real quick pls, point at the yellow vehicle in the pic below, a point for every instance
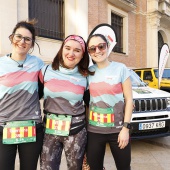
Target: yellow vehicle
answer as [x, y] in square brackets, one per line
[150, 76]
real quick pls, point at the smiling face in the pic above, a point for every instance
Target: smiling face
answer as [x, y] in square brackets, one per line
[72, 53]
[21, 47]
[99, 55]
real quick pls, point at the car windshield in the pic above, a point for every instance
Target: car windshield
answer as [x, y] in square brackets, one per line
[135, 79]
[166, 73]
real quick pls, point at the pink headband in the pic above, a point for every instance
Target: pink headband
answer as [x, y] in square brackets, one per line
[77, 38]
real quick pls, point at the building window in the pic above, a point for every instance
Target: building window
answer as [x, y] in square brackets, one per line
[117, 24]
[49, 14]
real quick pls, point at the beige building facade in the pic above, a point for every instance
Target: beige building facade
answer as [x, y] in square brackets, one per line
[145, 23]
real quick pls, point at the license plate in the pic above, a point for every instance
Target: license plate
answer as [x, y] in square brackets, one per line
[151, 125]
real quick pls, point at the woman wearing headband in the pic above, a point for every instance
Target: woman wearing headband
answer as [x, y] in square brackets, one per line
[64, 86]
[110, 107]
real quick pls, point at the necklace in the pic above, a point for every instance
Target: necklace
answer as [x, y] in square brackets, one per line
[19, 65]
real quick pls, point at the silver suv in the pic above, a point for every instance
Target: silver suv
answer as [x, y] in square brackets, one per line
[151, 114]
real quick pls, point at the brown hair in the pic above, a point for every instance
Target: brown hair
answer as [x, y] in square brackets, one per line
[82, 65]
[96, 35]
[29, 25]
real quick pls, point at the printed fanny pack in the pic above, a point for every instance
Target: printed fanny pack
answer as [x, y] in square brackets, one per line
[19, 132]
[103, 117]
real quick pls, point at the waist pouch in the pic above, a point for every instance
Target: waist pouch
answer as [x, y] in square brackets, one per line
[75, 127]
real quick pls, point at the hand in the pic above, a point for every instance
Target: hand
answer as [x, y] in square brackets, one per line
[123, 138]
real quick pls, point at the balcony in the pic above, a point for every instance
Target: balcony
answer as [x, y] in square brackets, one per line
[127, 5]
[164, 9]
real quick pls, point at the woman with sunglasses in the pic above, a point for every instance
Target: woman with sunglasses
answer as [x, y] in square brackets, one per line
[64, 85]
[21, 127]
[110, 107]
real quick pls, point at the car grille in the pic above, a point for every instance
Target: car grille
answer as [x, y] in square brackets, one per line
[150, 105]
[149, 132]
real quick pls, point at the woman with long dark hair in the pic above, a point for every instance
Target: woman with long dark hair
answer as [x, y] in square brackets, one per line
[64, 85]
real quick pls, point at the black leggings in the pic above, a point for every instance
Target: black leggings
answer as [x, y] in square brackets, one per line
[28, 153]
[96, 145]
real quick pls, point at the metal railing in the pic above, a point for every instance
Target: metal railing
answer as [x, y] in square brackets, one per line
[50, 17]
[132, 1]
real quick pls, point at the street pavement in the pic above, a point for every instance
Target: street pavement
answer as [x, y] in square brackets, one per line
[146, 155]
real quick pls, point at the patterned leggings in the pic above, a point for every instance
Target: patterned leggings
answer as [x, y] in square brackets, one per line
[74, 147]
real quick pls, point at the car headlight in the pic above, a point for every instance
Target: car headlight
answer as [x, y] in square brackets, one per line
[168, 102]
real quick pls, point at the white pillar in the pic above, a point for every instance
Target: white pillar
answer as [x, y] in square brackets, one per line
[8, 20]
[153, 22]
[76, 17]
[152, 5]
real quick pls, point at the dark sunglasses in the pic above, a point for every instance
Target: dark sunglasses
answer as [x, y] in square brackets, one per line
[101, 47]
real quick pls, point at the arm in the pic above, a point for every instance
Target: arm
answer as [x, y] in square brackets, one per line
[41, 83]
[123, 137]
[86, 99]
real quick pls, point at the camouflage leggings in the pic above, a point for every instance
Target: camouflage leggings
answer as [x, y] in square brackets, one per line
[74, 147]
